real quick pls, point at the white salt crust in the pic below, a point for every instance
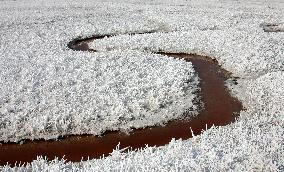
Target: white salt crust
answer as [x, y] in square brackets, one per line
[230, 31]
[48, 90]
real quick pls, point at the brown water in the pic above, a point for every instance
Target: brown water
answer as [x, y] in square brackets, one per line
[220, 108]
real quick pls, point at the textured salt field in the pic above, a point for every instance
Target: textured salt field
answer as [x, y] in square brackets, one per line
[38, 71]
[219, 108]
[48, 91]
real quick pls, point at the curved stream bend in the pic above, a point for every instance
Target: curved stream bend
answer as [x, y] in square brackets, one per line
[219, 109]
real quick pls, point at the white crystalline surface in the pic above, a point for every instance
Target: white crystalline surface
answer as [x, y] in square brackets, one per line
[246, 53]
[95, 93]
[48, 90]
[230, 31]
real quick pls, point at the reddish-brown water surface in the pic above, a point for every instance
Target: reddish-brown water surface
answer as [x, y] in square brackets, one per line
[220, 108]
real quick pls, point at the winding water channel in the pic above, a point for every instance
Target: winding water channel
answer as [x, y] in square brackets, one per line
[220, 108]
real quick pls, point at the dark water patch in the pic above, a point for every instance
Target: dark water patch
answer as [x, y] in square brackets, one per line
[272, 27]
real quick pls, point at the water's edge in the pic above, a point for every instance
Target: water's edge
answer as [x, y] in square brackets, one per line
[220, 108]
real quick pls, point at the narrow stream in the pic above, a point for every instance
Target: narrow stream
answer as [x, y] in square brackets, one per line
[220, 108]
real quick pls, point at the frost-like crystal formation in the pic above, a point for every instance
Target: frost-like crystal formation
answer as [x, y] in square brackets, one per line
[34, 59]
[93, 93]
[48, 90]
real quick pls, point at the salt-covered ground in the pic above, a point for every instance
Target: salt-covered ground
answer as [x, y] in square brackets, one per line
[48, 90]
[34, 59]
